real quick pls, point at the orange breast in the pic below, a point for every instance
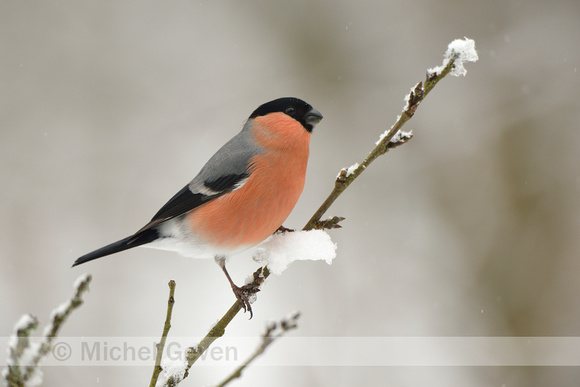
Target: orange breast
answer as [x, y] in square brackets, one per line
[249, 215]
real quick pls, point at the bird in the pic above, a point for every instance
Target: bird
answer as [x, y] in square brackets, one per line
[240, 197]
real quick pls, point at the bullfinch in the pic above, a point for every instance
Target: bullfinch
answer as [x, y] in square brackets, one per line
[240, 197]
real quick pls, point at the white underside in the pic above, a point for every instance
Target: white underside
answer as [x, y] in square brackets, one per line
[176, 236]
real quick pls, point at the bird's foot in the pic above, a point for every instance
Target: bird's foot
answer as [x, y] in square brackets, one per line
[243, 293]
[283, 229]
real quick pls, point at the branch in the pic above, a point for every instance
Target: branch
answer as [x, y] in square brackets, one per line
[161, 346]
[21, 348]
[458, 52]
[273, 331]
[219, 329]
[195, 352]
[19, 343]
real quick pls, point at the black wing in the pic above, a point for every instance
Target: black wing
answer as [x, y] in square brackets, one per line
[226, 183]
[183, 201]
[186, 200]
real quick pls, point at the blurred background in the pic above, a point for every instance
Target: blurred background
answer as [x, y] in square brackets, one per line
[470, 229]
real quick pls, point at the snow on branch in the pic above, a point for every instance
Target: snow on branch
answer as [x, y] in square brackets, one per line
[458, 52]
[24, 356]
[284, 248]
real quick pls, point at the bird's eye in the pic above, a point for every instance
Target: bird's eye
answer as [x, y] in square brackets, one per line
[290, 111]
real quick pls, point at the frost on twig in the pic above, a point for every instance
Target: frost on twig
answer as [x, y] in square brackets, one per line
[274, 330]
[173, 372]
[24, 357]
[458, 52]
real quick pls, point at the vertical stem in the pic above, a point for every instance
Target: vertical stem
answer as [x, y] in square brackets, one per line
[161, 346]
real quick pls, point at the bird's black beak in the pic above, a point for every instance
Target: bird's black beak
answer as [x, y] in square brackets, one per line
[313, 117]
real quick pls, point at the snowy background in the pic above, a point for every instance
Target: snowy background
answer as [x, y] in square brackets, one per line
[471, 229]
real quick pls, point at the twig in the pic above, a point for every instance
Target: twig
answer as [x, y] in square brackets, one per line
[388, 141]
[458, 51]
[161, 346]
[13, 374]
[17, 374]
[218, 330]
[273, 331]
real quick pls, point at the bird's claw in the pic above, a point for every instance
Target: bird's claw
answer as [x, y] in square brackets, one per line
[283, 229]
[242, 294]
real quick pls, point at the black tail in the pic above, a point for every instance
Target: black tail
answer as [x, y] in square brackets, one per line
[142, 238]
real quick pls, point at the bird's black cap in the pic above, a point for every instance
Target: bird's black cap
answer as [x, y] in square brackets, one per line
[294, 107]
